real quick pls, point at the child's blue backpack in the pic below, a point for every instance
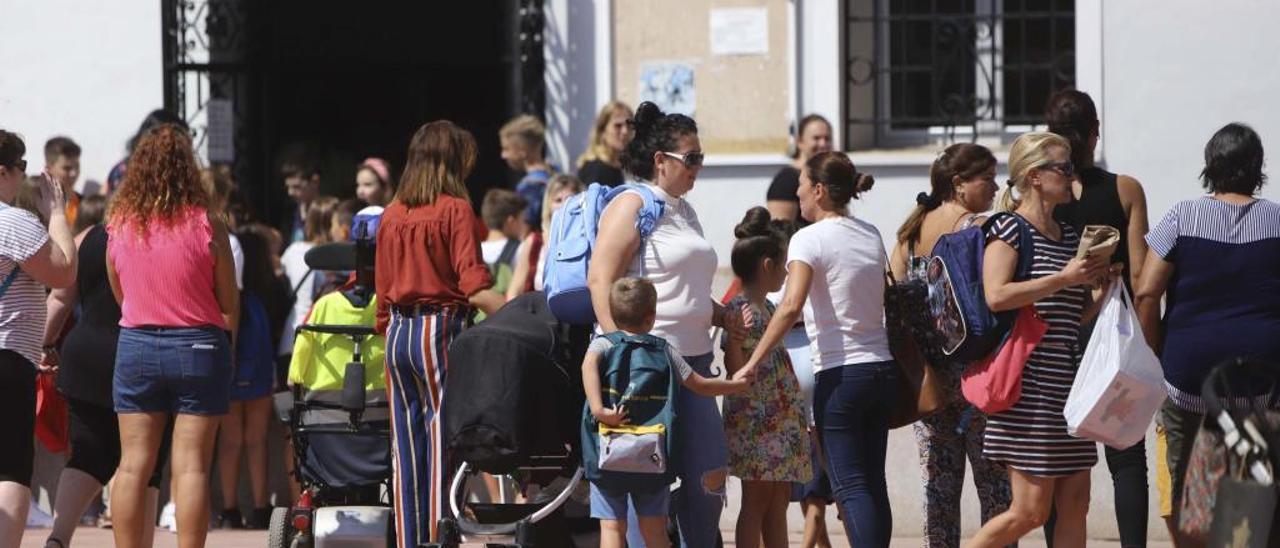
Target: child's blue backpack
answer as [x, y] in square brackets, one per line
[569, 242]
[636, 373]
[968, 329]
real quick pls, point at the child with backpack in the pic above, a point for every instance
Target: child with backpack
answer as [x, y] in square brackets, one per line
[630, 378]
[765, 426]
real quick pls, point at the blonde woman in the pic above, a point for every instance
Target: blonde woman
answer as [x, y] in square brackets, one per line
[602, 161]
[1048, 468]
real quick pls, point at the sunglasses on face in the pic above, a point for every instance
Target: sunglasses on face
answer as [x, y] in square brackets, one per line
[689, 159]
[20, 165]
[1067, 169]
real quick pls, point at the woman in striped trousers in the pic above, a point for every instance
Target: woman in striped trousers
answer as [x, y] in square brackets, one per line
[429, 277]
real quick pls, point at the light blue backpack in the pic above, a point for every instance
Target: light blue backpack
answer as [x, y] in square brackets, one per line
[570, 240]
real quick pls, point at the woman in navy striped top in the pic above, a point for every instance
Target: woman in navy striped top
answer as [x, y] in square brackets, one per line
[1217, 258]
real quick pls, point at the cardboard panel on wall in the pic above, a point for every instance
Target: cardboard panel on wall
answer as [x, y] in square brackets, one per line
[726, 62]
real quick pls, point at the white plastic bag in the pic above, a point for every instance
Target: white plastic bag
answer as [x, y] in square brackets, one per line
[1119, 386]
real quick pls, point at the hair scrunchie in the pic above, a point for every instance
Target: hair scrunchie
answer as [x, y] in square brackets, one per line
[928, 201]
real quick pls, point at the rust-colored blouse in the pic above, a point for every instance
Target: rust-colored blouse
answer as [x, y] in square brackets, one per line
[429, 255]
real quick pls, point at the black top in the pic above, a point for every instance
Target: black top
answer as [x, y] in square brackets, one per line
[89, 351]
[784, 185]
[596, 171]
[1099, 204]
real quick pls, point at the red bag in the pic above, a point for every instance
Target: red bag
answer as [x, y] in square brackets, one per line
[51, 415]
[994, 383]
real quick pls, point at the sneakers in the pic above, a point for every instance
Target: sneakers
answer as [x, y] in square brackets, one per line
[230, 518]
[169, 518]
[38, 518]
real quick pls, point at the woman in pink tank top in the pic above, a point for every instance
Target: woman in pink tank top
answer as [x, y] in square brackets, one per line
[171, 269]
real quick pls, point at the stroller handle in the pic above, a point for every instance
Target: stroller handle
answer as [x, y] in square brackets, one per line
[470, 527]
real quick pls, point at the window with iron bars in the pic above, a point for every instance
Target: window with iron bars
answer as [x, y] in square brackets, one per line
[930, 72]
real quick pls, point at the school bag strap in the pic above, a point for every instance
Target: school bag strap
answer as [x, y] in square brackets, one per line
[1026, 242]
[508, 252]
[8, 280]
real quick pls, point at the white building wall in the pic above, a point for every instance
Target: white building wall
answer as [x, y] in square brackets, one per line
[88, 70]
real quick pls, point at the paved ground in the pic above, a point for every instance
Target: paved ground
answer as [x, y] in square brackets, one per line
[95, 537]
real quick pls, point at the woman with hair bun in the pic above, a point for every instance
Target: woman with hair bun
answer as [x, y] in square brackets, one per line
[835, 274]
[766, 426]
[1104, 198]
[962, 187]
[667, 156]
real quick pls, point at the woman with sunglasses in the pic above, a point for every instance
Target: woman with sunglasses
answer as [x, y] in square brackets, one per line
[1104, 198]
[1048, 468]
[31, 257]
[681, 263]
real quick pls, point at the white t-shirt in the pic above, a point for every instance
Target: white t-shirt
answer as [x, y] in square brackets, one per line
[844, 314]
[237, 258]
[491, 250]
[295, 267]
[22, 308]
[681, 264]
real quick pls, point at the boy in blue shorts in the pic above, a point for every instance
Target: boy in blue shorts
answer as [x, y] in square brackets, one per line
[632, 302]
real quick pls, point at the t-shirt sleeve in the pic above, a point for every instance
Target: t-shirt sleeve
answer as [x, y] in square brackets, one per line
[1006, 230]
[804, 248]
[784, 186]
[1163, 237]
[678, 364]
[599, 345]
[237, 258]
[21, 234]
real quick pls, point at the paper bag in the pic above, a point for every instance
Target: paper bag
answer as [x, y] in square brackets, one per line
[1098, 241]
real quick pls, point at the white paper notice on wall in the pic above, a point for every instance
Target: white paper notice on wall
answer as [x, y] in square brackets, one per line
[740, 31]
[220, 138]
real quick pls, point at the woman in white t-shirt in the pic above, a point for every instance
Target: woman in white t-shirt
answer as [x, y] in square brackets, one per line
[681, 263]
[31, 257]
[835, 274]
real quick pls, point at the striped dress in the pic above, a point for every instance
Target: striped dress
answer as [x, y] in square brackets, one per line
[1032, 435]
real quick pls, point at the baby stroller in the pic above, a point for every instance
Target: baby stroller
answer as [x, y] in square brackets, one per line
[513, 401]
[337, 413]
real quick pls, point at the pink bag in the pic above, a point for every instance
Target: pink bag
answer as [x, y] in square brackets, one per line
[993, 384]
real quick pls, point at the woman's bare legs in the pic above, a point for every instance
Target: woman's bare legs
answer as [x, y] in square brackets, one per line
[140, 435]
[193, 442]
[1032, 499]
[230, 445]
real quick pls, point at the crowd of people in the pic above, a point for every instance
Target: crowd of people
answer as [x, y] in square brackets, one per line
[140, 303]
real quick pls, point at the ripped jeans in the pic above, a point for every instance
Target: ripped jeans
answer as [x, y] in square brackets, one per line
[704, 454]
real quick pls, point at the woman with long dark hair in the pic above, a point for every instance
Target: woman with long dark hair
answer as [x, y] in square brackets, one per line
[962, 188]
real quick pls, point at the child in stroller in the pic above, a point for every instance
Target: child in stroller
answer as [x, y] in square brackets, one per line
[336, 409]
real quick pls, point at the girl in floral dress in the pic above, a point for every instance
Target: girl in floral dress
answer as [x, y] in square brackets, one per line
[765, 426]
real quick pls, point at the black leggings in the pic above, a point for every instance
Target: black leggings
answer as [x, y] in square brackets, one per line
[1129, 481]
[95, 442]
[17, 417]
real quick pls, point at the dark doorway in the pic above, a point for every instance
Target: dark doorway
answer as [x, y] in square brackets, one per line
[342, 81]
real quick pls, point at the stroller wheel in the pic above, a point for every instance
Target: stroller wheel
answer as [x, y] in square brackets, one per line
[279, 533]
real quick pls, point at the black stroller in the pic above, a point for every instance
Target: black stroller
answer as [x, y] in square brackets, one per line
[341, 430]
[513, 401]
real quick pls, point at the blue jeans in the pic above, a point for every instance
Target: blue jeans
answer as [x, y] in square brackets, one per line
[852, 405]
[703, 449]
[176, 370]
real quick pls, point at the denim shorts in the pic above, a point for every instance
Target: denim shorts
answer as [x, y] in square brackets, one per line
[611, 504]
[172, 370]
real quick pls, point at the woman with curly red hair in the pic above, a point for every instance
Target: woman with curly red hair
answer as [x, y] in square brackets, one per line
[170, 266]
